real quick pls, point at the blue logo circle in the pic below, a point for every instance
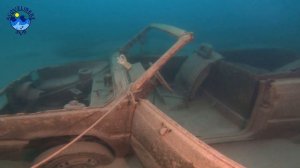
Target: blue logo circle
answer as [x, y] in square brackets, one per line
[20, 19]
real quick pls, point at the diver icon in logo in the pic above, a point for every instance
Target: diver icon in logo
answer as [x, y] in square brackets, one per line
[20, 19]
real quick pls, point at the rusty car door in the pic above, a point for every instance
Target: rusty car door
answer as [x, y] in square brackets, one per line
[159, 141]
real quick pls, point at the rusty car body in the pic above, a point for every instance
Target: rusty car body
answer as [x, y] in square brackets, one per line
[164, 110]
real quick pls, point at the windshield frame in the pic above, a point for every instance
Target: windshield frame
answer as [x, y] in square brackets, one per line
[183, 37]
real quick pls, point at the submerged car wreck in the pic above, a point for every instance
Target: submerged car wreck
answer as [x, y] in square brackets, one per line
[164, 110]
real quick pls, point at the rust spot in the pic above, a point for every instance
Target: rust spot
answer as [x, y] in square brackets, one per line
[164, 130]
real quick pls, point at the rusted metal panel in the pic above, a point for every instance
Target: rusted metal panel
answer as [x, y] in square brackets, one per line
[114, 130]
[171, 145]
[144, 156]
[287, 97]
[12, 149]
[283, 117]
[275, 112]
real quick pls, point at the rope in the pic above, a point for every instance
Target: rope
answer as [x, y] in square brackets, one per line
[85, 131]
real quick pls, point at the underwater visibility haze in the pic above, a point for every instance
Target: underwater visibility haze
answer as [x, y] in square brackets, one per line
[64, 31]
[237, 79]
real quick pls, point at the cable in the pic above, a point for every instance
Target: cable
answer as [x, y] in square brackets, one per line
[80, 135]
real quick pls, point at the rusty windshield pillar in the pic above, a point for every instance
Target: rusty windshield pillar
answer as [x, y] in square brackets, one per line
[183, 38]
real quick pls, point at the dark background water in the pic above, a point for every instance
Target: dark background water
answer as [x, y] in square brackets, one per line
[65, 31]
